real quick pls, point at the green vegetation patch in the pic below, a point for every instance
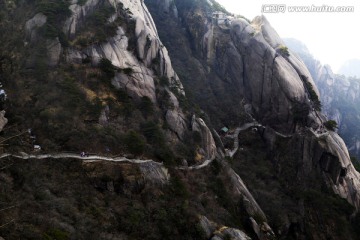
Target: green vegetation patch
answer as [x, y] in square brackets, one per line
[331, 125]
[56, 12]
[284, 51]
[312, 94]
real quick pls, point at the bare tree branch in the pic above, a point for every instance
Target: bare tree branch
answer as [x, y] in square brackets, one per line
[13, 220]
[13, 137]
[6, 166]
[7, 208]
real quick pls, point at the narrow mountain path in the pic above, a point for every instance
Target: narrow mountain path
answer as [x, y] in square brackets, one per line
[96, 158]
[197, 167]
[231, 153]
[235, 136]
[92, 158]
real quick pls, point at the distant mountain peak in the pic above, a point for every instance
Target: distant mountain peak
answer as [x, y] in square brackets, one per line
[351, 68]
[296, 45]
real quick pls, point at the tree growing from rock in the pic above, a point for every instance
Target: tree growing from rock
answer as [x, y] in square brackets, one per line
[331, 125]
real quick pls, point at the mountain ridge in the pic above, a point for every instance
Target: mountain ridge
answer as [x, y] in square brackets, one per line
[112, 88]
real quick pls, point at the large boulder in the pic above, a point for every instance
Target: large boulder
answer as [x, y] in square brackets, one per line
[155, 173]
[344, 179]
[239, 189]
[33, 25]
[215, 231]
[230, 233]
[78, 16]
[207, 226]
[176, 121]
[53, 51]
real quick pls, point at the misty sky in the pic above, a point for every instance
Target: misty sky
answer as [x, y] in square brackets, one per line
[332, 38]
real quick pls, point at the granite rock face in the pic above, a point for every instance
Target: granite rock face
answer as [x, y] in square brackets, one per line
[148, 49]
[345, 180]
[53, 46]
[33, 25]
[54, 51]
[148, 45]
[272, 81]
[233, 233]
[177, 122]
[149, 60]
[78, 17]
[155, 173]
[253, 68]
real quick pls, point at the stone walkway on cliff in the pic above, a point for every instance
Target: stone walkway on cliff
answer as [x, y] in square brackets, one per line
[92, 158]
[95, 158]
[235, 136]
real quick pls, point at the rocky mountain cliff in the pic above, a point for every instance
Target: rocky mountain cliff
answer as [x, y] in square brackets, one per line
[339, 95]
[247, 66]
[144, 101]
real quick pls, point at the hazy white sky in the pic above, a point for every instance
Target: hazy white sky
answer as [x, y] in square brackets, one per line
[332, 38]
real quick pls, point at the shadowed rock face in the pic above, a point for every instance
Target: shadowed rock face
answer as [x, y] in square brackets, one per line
[270, 82]
[31, 25]
[336, 160]
[330, 164]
